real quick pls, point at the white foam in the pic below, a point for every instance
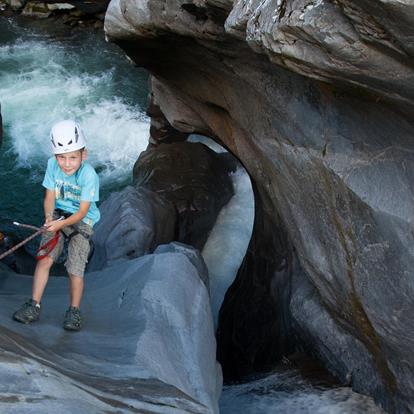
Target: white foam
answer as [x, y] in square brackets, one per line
[207, 141]
[116, 135]
[228, 241]
[42, 83]
[288, 392]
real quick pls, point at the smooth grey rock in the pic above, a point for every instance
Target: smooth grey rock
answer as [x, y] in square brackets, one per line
[133, 222]
[343, 353]
[147, 344]
[328, 145]
[193, 255]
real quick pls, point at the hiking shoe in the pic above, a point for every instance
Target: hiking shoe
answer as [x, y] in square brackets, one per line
[28, 312]
[73, 319]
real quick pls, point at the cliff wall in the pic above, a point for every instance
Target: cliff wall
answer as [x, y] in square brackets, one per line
[315, 98]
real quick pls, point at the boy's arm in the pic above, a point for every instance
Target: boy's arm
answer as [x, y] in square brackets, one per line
[49, 205]
[73, 219]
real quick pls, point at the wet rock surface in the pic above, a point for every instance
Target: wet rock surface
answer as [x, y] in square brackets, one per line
[315, 99]
[143, 348]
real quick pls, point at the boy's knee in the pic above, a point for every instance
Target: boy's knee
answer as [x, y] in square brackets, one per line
[46, 262]
[76, 278]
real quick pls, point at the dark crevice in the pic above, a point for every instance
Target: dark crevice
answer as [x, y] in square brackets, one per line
[254, 330]
[200, 13]
[215, 14]
[282, 9]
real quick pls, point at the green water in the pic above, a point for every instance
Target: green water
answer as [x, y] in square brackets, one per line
[49, 73]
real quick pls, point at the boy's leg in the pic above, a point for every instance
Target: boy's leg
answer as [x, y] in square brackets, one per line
[78, 251]
[30, 310]
[77, 258]
[41, 276]
[76, 290]
[73, 318]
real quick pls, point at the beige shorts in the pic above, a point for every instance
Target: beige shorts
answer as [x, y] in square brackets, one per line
[78, 247]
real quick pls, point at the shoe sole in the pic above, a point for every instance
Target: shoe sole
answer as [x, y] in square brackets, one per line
[71, 328]
[26, 322]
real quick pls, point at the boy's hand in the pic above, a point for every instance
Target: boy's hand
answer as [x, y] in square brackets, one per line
[54, 225]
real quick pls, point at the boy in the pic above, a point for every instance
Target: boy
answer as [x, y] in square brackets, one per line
[72, 188]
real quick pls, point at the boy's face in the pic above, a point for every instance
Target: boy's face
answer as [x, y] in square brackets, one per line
[70, 162]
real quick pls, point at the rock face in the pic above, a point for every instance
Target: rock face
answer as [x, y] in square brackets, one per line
[163, 206]
[191, 177]
[147, 345]
[315, 98]
[161, 130]
[133, 222]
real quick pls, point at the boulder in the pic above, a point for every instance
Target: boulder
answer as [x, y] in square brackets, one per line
[133, 223]
[147, 344]
[191, 177]
[192, 254]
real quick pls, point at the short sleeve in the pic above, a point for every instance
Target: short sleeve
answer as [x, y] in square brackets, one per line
[90, 186]
[49, 180]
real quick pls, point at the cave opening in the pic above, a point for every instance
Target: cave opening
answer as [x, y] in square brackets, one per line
[227, 242]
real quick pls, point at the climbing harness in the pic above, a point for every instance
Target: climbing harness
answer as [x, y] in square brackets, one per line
[48, 246]
[68, 237]
[75, 232]
[39, 230]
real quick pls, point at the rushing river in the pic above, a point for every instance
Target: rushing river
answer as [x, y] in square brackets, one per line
[47, 75]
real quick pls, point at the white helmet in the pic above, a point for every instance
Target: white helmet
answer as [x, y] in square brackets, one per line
[66, 136]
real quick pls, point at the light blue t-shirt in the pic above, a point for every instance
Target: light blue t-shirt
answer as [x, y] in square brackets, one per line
[70, 190]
